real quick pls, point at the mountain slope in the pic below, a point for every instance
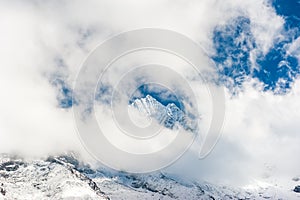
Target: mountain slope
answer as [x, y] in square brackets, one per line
[64, 177]
[45, 179]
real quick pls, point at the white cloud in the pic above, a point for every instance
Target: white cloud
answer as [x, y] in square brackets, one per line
[260, 141]
[261, 129]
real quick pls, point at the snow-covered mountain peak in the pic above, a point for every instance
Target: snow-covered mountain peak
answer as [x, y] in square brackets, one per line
[169, 116]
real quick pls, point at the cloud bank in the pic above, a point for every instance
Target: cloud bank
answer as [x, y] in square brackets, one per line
[43, 44]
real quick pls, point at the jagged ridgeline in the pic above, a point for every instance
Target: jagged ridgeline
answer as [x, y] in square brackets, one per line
[168, 115]
[65, 177]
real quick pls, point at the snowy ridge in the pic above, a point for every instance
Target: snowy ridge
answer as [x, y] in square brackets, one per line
[64, 177]
[53, 178]
[170, 115]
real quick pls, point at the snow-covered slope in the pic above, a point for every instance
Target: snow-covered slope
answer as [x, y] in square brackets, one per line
[45, 179]
[64, 177]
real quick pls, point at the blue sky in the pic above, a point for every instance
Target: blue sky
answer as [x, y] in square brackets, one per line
[233, 43]
[276, 69]
[160, 93]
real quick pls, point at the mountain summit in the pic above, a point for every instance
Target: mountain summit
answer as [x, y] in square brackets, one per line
[168, 115]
